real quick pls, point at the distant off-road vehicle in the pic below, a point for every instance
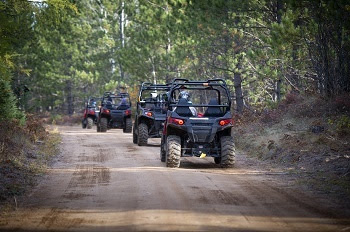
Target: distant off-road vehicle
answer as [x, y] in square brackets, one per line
[150, 112]
[90, 113]
[115, 112]
[198, 123]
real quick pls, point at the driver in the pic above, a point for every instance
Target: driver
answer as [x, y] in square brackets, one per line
[185, 95]
[92, 104]
[154, 96]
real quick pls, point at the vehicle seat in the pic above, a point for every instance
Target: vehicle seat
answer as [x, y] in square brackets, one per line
[123, 105]
[183, 111]
[109, 105]
[150, 104]
[213, 111]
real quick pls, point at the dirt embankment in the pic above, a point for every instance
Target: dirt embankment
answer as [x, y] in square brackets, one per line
[104, 182]
[305, 136]
[25, 152]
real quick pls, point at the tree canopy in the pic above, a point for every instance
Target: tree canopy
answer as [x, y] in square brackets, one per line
[55, 53]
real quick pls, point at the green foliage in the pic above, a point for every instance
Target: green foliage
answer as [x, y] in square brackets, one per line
[63, 52]
[8, 108]
[55, 118]
[342, 124]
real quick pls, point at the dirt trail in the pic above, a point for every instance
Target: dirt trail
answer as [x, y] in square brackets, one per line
[103, 182]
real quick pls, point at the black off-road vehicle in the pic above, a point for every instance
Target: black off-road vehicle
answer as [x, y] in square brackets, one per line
[115, 112]
[90, 113]
[198, 123]
[150, 113]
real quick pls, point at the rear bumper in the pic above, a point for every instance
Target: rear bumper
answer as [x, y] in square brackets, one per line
[117, 119]
[198, 151]
[157, 128]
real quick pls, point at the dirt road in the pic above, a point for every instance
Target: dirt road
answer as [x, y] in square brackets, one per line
[103, 182]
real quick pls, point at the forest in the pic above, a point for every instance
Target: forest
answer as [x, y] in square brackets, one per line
[56, 53]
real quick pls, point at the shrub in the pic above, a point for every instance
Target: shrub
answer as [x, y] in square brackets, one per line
[342, 124]
[35, 128]
[342, 103]
[272, 116]
[292, 98]
[8, 108]
[56, 119]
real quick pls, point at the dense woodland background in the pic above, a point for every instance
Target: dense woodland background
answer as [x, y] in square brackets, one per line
[56, 53]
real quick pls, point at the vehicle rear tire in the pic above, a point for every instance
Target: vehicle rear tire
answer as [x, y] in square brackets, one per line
[162, 151]
[217, 160]
[128, 126]
[228, 152]
[83, 124]
[173, 151]
[103, 124]
[90, 122]
[134, 135]
[142, 134]
[98, 127]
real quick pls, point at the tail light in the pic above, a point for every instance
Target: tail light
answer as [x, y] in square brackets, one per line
[176, 121]
[225, 122]
[106, 111]
[149, 114]
[92, 112]
[127, 112]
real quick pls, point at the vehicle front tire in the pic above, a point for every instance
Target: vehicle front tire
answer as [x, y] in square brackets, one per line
[142, 134]
[90, 122]
[162, 151]
[228, 152]
[173, 151]
[134, 135]
[103, 124]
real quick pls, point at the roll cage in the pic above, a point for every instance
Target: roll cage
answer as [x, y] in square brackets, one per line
[110, 96]
[95, 100]
[149, 86]
[210, 84]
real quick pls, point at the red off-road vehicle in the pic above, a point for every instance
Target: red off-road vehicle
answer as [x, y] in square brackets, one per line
[90, 113]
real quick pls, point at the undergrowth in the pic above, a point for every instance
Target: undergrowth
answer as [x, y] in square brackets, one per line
[25, 152]
[307, 134]
[58, 119]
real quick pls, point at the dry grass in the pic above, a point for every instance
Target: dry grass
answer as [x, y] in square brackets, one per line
[58, 119]
[309, 135]
[24, 154]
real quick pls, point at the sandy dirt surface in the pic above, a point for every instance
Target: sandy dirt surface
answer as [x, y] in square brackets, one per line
[103, 182]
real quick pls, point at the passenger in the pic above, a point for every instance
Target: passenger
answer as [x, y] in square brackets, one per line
[151, 101]
[185, 98]
[92, 103]
[123, 105]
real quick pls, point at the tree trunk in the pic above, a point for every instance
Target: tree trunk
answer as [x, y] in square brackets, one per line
[70, 105]
[122, 39]
[279, 9]
[278, 90]
[237, 80]
[167, 48]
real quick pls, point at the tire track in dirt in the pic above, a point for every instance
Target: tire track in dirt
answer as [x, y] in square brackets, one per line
[103, 182]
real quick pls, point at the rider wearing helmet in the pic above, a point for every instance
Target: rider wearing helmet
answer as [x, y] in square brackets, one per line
[185, 95]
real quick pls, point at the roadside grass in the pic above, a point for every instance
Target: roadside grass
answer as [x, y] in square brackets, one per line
[25, 154]
[306, 136]
[59, 119]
